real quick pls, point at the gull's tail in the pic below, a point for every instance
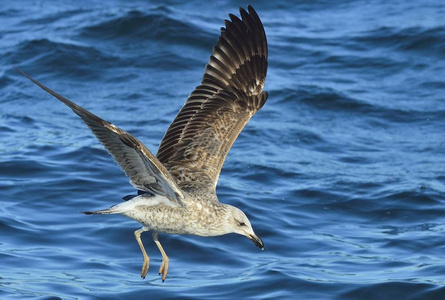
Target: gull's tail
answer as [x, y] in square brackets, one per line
[101, 212]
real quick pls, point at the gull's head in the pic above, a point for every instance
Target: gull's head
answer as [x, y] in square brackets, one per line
[240, 224]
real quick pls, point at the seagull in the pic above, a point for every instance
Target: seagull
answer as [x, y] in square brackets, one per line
[177, 187]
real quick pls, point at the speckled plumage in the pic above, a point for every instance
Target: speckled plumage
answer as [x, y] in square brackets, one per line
[179, 183]
[207, 216]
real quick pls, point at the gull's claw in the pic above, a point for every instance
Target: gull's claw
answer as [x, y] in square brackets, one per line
[146, 262]
[164, 268]
[145, 267]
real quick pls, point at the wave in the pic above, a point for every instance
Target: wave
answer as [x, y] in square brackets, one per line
[118, 40]
[320, 98]
[51, 18]
[415, 289]
[396, 211]
[158, 24]
[374, 66]
[327, 99]
[429, 41]
[49, 56]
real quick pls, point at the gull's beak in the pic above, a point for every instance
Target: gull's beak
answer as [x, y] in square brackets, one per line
[256, 240]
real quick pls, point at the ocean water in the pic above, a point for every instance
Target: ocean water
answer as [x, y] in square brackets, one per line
[342, 172]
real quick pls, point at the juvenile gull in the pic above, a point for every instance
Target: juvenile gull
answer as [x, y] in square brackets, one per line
[177, 187]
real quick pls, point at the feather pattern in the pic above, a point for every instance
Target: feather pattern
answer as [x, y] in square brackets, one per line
[196, 144]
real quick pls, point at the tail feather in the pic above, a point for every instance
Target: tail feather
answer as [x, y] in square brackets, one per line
[100, 212]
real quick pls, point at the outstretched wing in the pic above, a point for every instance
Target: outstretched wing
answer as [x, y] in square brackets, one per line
[197, 142]
[139, 164]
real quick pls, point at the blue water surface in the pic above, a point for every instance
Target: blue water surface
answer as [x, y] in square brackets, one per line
[342, 172]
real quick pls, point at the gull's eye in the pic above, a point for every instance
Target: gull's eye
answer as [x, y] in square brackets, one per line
[241, 224]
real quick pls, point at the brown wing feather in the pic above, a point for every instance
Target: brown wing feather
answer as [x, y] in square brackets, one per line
[139, 164]
[197, 142]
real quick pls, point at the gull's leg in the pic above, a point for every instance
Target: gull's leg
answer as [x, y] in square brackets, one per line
[145, 265]
[164, 265]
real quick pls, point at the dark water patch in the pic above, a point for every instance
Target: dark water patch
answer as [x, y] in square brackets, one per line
[15, 120]
[6, 129]
[406, 198]
[306, 138]
[165, 61]
[329, 100]
[400, 208]
[397, 230]
[373, 66]
[5, 81]
[440, 85]
[51, 18]
[318, 196]
[85, 154]
[321, 98]
[267, 175]
[391, 290]
[47, 56]
[135, 26]
[26, 169]
[435, 292]
[392, 215]
[10, 12]
[356, 159]
[425, 41]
